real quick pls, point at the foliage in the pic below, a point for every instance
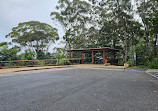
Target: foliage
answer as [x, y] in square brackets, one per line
[60, 53]
[28, 55]
[153, 63]
[75, 20]
[58, 56]
[63, 62]
[3, 44]
[9, 53]
[120, 62]
[40, 55]
[140, 50]
[33, 34]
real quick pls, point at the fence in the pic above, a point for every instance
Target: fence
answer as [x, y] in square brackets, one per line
[32, 63]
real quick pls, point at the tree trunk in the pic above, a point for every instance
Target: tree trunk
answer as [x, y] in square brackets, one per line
[155, 46]
[126, 49]
[126, 41]
[147, 35]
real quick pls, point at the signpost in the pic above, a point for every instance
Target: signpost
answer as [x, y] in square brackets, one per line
[135, 58]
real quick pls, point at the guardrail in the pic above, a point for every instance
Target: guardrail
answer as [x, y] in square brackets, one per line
[32, 63]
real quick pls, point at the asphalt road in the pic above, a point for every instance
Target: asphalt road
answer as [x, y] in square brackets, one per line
[75, 89]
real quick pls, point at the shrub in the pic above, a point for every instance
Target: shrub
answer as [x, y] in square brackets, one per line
[63, 62]
[141, 52]
[10, 64]
[120, 62]
[131, 62]
[153, 64]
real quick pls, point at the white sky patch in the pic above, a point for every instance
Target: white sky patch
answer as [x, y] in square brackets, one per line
[13, 12]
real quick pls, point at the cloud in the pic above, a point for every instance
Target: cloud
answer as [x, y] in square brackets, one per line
[13, 12]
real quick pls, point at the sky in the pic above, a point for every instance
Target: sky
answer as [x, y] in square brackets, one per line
[13, 12]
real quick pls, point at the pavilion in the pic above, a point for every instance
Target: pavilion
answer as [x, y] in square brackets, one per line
[106, 54]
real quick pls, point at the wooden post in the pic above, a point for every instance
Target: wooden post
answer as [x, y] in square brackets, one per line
[64, 62]
[70, 56]
[82, 57]
[45, 62]
[17, 64]
[31, 64]
[72, 62]
[104, 57]
[92, 57]
[0, 65]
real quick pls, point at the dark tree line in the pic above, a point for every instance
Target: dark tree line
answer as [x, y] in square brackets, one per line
[112, 23]
[128, 25]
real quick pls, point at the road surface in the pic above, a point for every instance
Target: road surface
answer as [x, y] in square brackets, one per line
[78, 89]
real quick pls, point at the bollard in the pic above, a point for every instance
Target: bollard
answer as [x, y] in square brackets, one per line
[106, 61]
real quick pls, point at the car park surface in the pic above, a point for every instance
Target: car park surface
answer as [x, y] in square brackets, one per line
[78, 89]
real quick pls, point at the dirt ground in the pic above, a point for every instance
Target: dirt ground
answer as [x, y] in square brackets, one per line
[49, 67]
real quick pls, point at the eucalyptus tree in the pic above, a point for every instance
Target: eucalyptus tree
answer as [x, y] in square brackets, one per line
[74, 17]
[142, 10]
[135, 32]
[35, 35]
[148, 13]
[109, 34]
[153, 26]
[121, 12]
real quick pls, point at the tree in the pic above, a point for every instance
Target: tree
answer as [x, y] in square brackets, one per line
[35, 35]
[109, 34]
[74, 17]
[9, 53]
[148, 13]
[28, 55]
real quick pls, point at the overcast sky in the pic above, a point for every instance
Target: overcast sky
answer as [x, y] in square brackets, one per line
[13, 12]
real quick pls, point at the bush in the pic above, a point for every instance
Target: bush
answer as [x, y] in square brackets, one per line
[141, 52]
[10, 64]
[131, 62]
[63, 62]
[153, 64]
[120, 62]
